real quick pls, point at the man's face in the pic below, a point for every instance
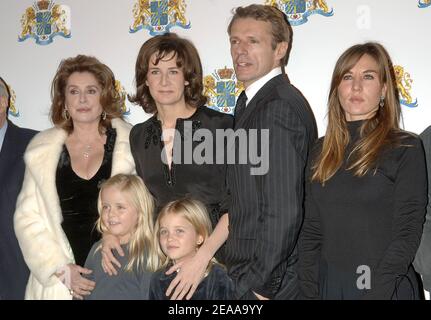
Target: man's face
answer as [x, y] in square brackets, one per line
[251, 49]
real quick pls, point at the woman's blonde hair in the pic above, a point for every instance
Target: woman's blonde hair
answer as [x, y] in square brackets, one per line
[375, 133]
[140, 243]
[195, 213]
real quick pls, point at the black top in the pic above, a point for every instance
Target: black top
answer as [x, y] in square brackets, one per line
[358, 229]
[78, 200]
[126, 285]
[215, 286]
[187, 177]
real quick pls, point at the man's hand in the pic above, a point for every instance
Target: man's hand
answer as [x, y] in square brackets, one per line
[189, 274]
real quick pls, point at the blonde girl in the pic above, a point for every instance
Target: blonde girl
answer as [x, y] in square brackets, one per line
[182, 226]
[125, 211]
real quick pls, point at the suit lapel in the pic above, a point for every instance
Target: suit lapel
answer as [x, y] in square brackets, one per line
[261, 94]
[8, 151]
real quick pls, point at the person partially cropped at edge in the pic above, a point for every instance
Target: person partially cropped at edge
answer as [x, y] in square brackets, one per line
[13, 142]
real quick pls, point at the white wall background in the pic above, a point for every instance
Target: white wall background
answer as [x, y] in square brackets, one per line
[101, 28]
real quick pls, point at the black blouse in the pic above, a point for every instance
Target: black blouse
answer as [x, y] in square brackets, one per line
[78, 200]
[204, 182]
[370, 226]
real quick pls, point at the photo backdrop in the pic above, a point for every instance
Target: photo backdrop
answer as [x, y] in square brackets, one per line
[36, 36]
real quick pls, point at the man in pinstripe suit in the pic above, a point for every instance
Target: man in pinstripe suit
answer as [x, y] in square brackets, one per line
[267, 209]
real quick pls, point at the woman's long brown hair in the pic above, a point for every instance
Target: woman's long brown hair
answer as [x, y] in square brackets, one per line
[375, 133]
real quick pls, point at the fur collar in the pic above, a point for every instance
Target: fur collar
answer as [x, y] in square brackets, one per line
[43, 153]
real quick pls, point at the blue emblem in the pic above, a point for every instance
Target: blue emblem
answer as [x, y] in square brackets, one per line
[225, 94]
[295, 7]
[298, 11]
[45, 20]
[222, 90]
[159, 16]
[424, 3]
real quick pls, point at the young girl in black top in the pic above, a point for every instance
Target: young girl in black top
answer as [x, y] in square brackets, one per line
[181, 228]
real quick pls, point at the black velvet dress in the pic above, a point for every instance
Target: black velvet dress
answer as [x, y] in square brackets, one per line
[360, 234]
[78, 200]
[205, 182]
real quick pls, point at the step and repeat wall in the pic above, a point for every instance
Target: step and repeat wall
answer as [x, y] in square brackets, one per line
[36, 35]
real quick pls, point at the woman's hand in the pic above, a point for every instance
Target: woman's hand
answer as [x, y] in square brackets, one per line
[190, 272]
[109, 243]
[72, 278]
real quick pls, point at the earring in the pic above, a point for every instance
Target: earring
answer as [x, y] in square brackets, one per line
[66, 115]
[104, 115]
[382, 102]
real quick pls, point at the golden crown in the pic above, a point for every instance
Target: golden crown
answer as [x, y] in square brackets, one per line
[43, 4]
[225, 73]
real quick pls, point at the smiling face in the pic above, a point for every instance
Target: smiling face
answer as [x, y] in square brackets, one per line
[82, 98]
[360, 90]
[178, 238]
[251, 49]
[165, 81]
[119, 216]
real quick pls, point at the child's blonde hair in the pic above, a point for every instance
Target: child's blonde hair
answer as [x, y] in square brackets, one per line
[194, 212]
[140, 243]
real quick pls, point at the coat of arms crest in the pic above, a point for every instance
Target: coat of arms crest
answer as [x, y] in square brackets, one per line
[45, 20]
[404, 84]
[298, 11]
[159, 16]
[424, 3]
[222, 89]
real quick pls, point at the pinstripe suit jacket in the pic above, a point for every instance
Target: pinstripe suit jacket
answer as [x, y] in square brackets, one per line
[267, 210]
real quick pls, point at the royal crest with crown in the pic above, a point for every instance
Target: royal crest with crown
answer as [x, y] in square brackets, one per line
[404, 84]
[424, 3]
[298, 11]
[159, 16]
[122, 94]
[45, 20]
[13, 111]
[222, 89]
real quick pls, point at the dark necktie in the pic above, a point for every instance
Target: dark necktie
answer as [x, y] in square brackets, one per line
[240, 105]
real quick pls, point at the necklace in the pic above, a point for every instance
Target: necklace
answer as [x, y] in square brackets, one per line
[86, 152]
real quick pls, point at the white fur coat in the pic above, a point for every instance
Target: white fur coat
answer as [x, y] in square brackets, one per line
[38, 214]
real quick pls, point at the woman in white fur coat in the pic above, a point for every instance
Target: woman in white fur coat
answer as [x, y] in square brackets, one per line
[56, 209]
